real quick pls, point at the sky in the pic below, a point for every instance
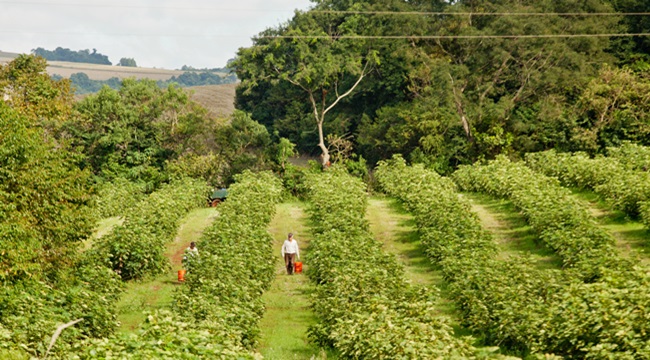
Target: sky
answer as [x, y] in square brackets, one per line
[156, 33]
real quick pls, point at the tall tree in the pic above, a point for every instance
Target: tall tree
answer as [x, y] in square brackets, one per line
[133, 131]
[45, 197]
[323, 67]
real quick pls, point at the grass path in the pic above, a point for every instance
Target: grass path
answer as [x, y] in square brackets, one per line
[156, 293]
[632, 238]
[511, 231]
[288, 316]
[396, 229]
[393, 226]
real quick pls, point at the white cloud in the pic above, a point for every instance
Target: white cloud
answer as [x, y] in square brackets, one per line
[156, 33]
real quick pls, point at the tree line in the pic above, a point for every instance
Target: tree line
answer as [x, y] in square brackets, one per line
[338, 69]
[82, 84]
[64, 54]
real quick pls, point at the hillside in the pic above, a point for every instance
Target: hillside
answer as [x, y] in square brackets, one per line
[218, 99]
[99, 72]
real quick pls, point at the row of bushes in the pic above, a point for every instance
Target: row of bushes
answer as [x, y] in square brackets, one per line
[214, 315]
[632, 156]
[511, 302]
[561, 222]
[366, 308]
[89, 290]
[618, 179]
[237, 262]
[136, 248]
[117, 196]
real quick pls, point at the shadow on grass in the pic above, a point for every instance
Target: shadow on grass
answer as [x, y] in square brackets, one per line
[633, 238]
[512, 232]
[421, 263]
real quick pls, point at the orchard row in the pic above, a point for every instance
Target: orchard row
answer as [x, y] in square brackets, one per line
[596, 308]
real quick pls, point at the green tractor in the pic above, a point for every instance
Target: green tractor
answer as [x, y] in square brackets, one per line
[217, 197]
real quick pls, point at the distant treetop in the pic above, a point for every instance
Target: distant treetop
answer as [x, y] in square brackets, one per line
[81, 56]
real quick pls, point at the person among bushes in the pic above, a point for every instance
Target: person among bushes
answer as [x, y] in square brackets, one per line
[289, 252]
[191, 254]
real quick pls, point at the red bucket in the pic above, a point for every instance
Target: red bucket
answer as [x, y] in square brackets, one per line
[298, 268]
[181, 275]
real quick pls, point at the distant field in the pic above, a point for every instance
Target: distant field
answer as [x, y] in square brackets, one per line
[218, 99]
[100, 72]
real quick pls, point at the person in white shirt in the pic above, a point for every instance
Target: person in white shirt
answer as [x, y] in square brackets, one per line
[191, 254]
[289, 252]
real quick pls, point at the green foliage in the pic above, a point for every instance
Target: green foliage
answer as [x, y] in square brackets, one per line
[632, 156]
[613, 108]
[445, 102]
[324, 70]
[136, 248]
[210, 167]
[510, 302]
[128, 62]
[624, 189]
[562, 223]
[82, 84]
[26, 87]
[167, 336]
[645, 213]
[45, 201]
[244, 143]
[236, 264]
[294, 180]
[132, 132]
[193, 78]
[118, 195]
[64, 54]
[366, 307]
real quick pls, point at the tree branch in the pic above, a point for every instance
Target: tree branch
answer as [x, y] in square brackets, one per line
[339, 97]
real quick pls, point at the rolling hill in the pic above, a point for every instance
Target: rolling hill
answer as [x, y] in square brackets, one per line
[217, 99]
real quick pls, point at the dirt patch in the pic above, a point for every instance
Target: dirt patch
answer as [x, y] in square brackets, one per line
[177, 257]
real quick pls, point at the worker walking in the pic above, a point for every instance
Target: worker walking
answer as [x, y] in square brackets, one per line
[289, 252]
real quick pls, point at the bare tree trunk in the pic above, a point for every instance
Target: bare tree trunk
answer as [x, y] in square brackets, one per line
[325, 156]
[460, 110]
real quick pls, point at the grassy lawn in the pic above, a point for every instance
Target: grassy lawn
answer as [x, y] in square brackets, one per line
[152, 294]
[288, 316]
[511, 231]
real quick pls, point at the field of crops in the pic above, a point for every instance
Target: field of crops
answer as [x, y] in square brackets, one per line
[593, 304]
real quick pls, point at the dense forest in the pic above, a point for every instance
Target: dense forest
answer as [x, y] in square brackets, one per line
[433, 81]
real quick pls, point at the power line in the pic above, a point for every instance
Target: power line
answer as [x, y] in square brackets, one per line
[433, 37]
[441, 13]
[338, 37]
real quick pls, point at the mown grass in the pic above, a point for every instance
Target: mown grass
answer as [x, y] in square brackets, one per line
[392, 225]
[288, 315]
[156, 293]
[511, 231]
[632, 238]
[395, 227]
